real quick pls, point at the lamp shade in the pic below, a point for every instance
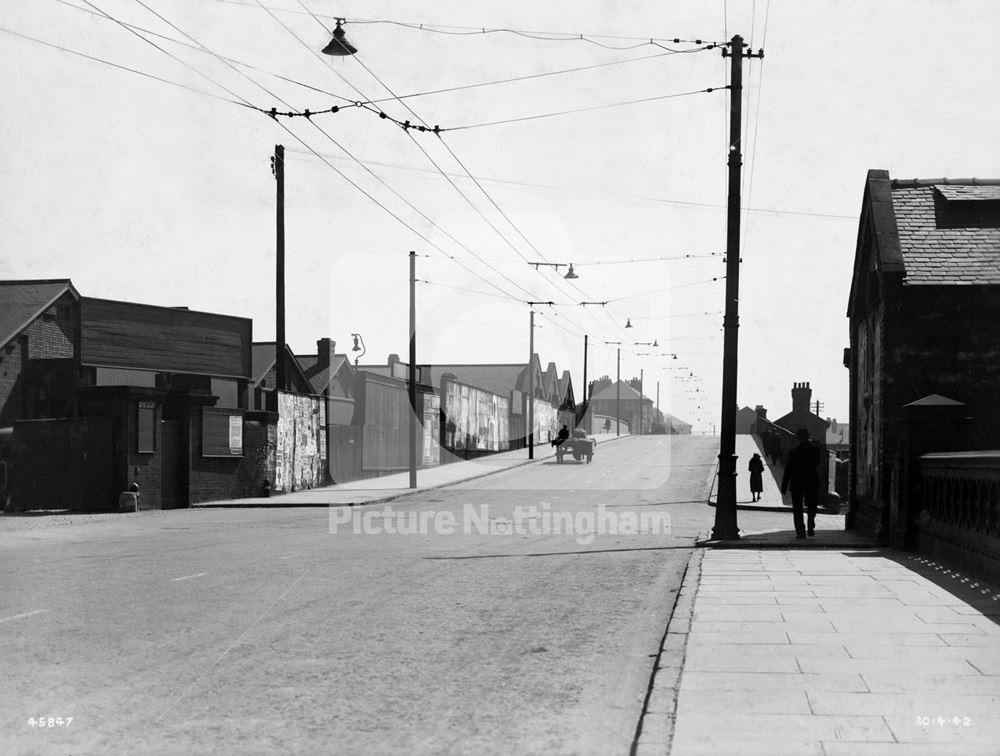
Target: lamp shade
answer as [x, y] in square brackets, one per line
[339, 44]
[571, 273]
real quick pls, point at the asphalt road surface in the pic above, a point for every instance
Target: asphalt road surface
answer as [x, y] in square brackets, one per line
[513, 620]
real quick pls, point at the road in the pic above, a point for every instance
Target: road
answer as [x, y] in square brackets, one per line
[264, 631]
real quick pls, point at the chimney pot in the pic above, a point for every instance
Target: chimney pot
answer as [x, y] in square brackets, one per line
[325, 349]
[801, 397]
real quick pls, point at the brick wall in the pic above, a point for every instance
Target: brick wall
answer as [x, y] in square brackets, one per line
[12, 382]
[221, 478]
[143, 468]
[946, 340]
[931, 340]
[52, 335]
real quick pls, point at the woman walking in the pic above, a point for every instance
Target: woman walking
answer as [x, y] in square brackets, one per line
[756, 476]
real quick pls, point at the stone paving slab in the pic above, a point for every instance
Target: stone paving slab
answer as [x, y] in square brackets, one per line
[906, 749]
[875, 652]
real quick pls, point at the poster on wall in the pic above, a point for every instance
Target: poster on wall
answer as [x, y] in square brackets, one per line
[432, 412]
[546, 422]
[300, 459]
[475, 419]
[235, 434]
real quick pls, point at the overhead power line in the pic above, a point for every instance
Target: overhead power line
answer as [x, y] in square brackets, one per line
[648, 259]
[309, 147]
[438, 167]
[669, 288]
[122, 67]
[578, 190]
[585, 110]
[477, 30]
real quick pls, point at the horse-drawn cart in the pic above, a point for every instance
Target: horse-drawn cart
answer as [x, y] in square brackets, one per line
[577, 445]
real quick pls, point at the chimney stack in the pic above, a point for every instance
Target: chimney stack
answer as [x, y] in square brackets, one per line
[325, 349]
[801, 397]
[761, 412]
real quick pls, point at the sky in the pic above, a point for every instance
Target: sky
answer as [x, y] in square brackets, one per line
[137, 162]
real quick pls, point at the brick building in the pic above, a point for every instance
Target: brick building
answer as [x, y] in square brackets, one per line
[39, 321]
[924, 314]
[112, 392]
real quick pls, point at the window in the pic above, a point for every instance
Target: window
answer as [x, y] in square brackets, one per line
[146, 428]
[227, 390]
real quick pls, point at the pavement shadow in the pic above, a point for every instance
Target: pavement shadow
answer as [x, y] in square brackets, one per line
[56, 512]
[974, 591]
[825, 538]
[653, 504]
[689, 547]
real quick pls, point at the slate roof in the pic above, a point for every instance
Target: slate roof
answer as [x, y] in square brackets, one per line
[497, 379]
[936, 255]
[320, 377]
[23, 301]
[969, 191]
[609, 392]
[262, 356]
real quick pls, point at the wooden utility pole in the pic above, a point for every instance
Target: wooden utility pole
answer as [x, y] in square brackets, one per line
[583, 417]
[726, 528]
[530, 422]
[278, 168]
[642, 408]
[413, 369]
[618, 395]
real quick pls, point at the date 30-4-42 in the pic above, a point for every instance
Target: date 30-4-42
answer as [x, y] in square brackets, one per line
[50, 721]
[942, 721]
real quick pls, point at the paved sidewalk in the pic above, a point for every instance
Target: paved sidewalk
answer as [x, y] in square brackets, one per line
[390, 487]
[832, 653]
[771, 498]
[757, 530]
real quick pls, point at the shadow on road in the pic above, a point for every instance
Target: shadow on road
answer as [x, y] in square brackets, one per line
[54, 512]
[558, 553]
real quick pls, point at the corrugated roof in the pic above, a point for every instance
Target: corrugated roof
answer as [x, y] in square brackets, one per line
[23, 301]
[934, 255]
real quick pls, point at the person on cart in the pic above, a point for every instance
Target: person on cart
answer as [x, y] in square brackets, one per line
[561, 436]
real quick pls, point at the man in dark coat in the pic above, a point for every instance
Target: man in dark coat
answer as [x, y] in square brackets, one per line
[802, 477]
